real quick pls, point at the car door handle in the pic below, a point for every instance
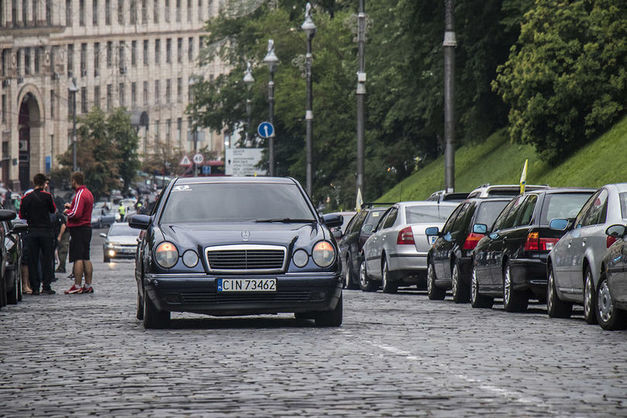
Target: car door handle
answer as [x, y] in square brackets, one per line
[583, 243]
[570, 243]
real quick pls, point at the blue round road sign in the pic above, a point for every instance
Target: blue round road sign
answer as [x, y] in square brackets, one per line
[265, 130]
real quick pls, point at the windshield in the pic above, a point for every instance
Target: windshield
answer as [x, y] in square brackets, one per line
[119, 230]
[562, 206]
[235, 202]
[373, 218]
[623, 205]
[422, 214]
[488, 211]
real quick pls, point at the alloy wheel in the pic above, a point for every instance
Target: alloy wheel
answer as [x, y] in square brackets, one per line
[550, 292]
[362, 274]
[430, 278]
[455, 282]
[474, 287]
[604, 303]
[588, 299]
[507, 286]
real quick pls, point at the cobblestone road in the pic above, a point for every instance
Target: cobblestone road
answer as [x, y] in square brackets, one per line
[399, 355]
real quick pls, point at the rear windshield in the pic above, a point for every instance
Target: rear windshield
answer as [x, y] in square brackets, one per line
[623, 204]
[118, 230]
[562, 206]
[235, 202]
[488, 211]
[422, 214]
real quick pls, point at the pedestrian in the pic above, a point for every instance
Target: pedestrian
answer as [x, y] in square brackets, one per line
[36, 208]
[62, 237]
[122, 211]
[79, 223]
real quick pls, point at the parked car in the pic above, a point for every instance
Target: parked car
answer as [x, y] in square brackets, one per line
[338, 232]
[7, 289]
[357, 232]
[511, 260]
[120, 242]
[396, 253]
[450, 259]
[574, 267]
[611, 309]
[444, 196]
[237, 246]
[503, 190]
[13, 261]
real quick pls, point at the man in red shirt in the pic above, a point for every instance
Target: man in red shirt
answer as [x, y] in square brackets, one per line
[79, 224]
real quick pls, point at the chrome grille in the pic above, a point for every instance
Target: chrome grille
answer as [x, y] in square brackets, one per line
[246, 258]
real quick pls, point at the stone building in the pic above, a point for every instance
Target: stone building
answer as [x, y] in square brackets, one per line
[140, 54]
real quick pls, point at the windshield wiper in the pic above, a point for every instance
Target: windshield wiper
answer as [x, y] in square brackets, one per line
[286, 220]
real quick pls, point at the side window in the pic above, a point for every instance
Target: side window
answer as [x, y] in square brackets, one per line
[507, 217]
[355, 224]
[390, 218]
[597, 211]
[448, 226]
[462, 218]
[584, 210]
[526, 211]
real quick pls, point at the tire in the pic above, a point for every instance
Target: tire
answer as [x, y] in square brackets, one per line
[477, 300]
[387, 284]
[13, 296]
[365, 283]
[555, 307]
[106, 260]
[608, 315]
[140, 307]
[513, 300]
[154, 318]
[349, 279]
[331, 318]
[461, 293]
[434, 292]
[589, 298]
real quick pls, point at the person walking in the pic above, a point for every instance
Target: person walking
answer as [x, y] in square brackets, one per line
[62, 237]
[79, 223]
[121, 211]
[36, 208]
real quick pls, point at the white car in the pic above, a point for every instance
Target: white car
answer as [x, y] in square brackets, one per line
[396, 253]
[120, 242]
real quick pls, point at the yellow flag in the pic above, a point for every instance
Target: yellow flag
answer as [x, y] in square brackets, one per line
[359, 202]
[523, 178]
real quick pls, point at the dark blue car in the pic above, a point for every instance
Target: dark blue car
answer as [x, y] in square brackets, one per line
[237, 246]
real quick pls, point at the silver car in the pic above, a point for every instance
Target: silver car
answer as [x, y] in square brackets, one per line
[120, 242]
[396, 253]
[574, 266]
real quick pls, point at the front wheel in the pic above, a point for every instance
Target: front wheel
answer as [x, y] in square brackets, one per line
[608, 315]
[589, 299]
[477, 300]
[388, 286]
[332, 318]
[154, 318]
[434, 292]
[365, 283]
[555, 307]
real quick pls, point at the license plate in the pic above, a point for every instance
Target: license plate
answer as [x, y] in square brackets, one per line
[432, 239]
[246, 285]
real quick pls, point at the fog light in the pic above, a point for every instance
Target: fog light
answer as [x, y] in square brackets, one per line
[300, 258]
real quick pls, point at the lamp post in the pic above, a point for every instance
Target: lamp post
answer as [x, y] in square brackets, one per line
[191, 82]
[249, 80]
[73, 89]
[449, 45]
[272, 61]
[361, 96]
[310, 30]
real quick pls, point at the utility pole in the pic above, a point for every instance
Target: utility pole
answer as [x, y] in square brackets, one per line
[73, 88]
[271, 60]
[310, 30]
[361, 95]
[449, 45]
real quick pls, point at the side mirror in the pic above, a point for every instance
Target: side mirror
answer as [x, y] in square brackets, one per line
[103, 235]
[19, 228]
[616, 231]
[337, 233]
[139, 221]
[7, 215]
[333, 221]
[559, 224]
[480, 229]
[432, 231]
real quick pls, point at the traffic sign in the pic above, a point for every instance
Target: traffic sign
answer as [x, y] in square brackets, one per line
[185, 161]
[198, 159]
[265, 130]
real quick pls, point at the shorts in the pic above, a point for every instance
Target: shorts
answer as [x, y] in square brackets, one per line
[80, 240]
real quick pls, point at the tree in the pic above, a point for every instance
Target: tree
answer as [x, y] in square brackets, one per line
[566, 77]
[126, 141]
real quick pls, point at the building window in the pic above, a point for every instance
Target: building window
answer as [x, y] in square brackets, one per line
[145, 52]
[3, 67]
[81, 12]
[109, 96]
[94, 13]
[122, 57]
[168, 91]
[168, 51]
[178, 10]
[157, 51]
[109, 54]
[122, 92]
[97, 96]
[107, 12]
[157, 124]
[189, 10]
[120, 12]
[144, 12]
[48, 12]
[133, 95]
[179, 129]
[4, 108]
[27, 61]
[96, 59]
[52, 104]
[134, 53]
[25, 12]
[83, 99]
[37, 59]
[145, 94]
[179, 89]
[155, 11]
[190, 49]
[179, 50]
[157, 99]
[167, 11]
[133, 10]
[54, 51]
[18, 58]
[68, 12]
[70, 60]
[83, 60]
[168, 130]
[200, 10]
[35, 12]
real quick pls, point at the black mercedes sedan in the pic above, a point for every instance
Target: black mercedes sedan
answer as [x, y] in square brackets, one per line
[228, 246]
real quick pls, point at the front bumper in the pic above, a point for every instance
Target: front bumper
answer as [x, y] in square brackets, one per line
[198, 293]
[119, 252]
[530, 274]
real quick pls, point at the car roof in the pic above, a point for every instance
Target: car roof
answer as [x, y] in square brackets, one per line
[558, 190]
[224, 179]
[427, 203]
[620, 187]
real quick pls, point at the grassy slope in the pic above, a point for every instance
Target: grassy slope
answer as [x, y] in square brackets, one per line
[497, 161]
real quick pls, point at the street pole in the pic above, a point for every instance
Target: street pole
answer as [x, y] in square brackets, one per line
[361, 95]
[249, 80]
[73, 88]
[195, 150]
[310, 30]
[272, 61]
[449, 45]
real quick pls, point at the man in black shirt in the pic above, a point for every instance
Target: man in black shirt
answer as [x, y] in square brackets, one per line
[36, 208]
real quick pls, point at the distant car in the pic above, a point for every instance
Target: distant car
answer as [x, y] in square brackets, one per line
[120, 242]
[338, 232]
[444, 196]
[396, 253]
[357, 232]
[574, 266]
[450, 258]
[511, 260]
[503, 190]
[611, 309]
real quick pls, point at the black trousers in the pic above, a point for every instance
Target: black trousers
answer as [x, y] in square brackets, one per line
[41, 254]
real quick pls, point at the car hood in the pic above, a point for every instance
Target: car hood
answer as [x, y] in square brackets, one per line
[202, 236]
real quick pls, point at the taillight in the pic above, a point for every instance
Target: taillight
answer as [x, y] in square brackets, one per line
[536, 243]
[609, 241]
[405, 236]
[472, 240]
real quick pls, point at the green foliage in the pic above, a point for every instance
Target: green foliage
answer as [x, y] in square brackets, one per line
[566, 78]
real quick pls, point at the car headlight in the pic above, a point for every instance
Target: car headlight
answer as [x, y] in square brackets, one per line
[190, 258]
[300, 258]
[323, 254]
[166, 255]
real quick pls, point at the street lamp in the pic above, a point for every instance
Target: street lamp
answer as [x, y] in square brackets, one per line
[310, 30]
[249, 80]
[73, 89]
[361, 97]
[190, 83]
[272, 61]
[449, 45]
